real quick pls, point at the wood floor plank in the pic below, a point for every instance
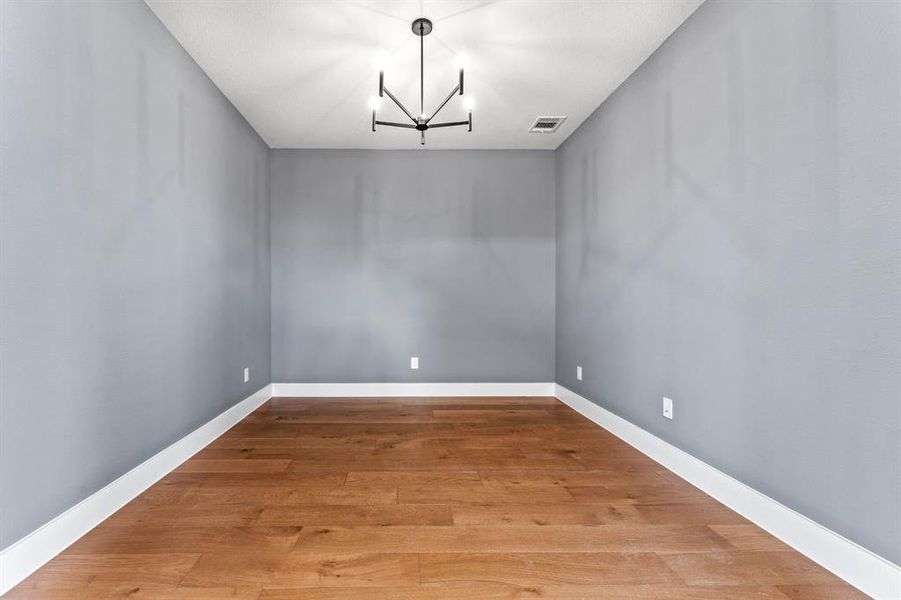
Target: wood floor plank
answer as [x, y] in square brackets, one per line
[223, 496]
[480, 493]
[457, 443]
[305, 570]
[167, 539]
[547, 568]
[694, 512]
[426, 498]
[543, 514]
[822, 591]
[499, 591]
[382, 515]
[287, 479]
[138, 514]
[141, 591]
[321, 440]
[390, 459]
[398, 416]
[574, 478]
[486, 539]
[646, 493]
[201, 465]
[747, 536]
[415, 478]
[74, 571]
[734, 568]
[490, 415]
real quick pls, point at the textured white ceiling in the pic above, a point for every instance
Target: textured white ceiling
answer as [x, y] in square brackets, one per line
[302, 72]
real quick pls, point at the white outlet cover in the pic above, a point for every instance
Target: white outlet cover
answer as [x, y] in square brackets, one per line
[246, 374]
[579, 373]
[667, 407]
[414, 362]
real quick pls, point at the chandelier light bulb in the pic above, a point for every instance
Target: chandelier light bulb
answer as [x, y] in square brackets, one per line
[374, 103]
[469, 103]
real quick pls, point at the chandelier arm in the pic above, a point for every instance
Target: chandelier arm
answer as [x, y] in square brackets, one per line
[446, 100]
[449, 124]
[393, 124]
[399, 105]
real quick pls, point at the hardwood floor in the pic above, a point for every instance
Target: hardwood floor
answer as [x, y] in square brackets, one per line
[478, 498]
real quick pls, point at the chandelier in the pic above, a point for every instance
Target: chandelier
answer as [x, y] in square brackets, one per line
[421, 27]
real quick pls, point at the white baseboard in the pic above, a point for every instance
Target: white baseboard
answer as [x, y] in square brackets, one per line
[366, 390]
[24, 557]
[866, 571]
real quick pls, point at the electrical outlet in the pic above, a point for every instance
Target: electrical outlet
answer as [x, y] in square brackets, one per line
[668, 407]
[246, 374]
[579, 373]
[414, 362]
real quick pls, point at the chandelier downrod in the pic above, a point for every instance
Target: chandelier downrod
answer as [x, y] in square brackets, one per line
[421, 27]
[422, 72]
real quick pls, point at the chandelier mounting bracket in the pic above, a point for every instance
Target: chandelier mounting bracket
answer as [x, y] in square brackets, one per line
[421, 26]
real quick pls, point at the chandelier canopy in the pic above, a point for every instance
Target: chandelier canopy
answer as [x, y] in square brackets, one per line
[421, 27]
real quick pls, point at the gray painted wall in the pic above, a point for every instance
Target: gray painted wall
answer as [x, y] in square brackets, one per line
[378, 256]
[134, 251]
[728, 234]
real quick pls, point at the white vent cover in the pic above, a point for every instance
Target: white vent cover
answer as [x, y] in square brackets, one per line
[546, 124]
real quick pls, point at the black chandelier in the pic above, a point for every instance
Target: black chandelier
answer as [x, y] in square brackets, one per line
[421, 27]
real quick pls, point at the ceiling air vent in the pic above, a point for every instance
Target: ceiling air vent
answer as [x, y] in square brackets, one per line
[546, 124]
